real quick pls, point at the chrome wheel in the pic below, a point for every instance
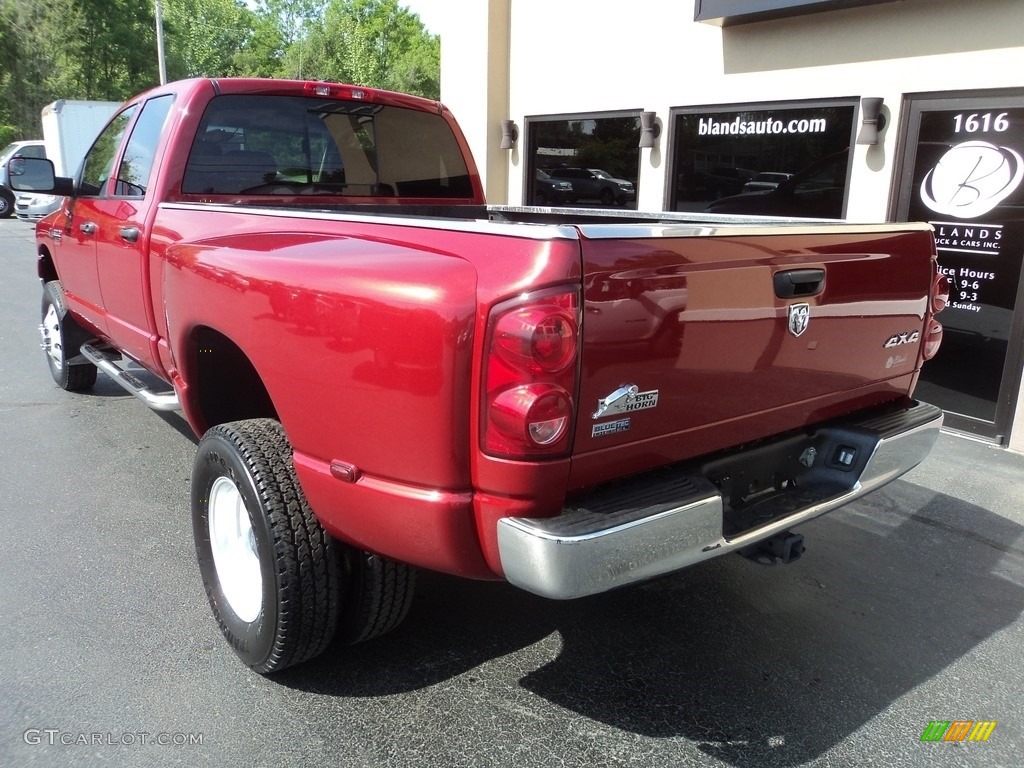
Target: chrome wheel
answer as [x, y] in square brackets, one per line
[234, 550]
[50, 333]
[61, 339]
[271, 572]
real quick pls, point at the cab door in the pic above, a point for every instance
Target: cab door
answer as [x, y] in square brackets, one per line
[76, 255]
[122, 236]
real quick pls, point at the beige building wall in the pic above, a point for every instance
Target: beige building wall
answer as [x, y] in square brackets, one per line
[475, 81]
[515, 59]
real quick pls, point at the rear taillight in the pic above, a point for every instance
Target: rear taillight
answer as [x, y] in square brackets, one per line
[532, 358]
[933, 332]
[932, 339]
[940, 293]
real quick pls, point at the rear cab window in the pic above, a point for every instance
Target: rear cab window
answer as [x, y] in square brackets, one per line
[295, 145]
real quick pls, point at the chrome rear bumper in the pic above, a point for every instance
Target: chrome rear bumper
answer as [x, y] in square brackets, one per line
[673, 518]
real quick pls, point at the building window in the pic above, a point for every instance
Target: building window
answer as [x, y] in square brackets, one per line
[774, 159]
[585, 160]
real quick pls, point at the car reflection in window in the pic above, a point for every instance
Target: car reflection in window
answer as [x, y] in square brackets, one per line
[816, 192]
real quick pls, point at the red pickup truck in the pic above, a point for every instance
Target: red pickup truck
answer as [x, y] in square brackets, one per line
[387, 373]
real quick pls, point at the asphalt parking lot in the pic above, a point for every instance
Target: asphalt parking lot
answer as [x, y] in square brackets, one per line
[906, 609]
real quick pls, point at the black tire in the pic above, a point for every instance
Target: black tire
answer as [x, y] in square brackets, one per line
[314, 588]
[607, 196]
[298, 566]
[380, 595]
[62, 339]
[6, 203]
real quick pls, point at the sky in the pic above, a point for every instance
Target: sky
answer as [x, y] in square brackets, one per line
[431, 12]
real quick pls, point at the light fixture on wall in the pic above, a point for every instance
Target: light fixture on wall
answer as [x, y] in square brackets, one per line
[509, 134]
[872, 121]
[649, 130]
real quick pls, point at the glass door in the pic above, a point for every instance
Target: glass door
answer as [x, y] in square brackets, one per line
[963, 171]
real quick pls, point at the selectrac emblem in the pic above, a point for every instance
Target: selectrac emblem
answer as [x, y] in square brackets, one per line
[625, 399]
[799, 318]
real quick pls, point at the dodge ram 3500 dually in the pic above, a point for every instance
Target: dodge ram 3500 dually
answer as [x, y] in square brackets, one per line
[387, 374]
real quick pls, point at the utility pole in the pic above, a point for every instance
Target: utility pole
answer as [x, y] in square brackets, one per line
[160, 41]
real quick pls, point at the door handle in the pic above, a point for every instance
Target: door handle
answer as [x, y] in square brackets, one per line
[794, 283]
[130, 234]
[88, 228]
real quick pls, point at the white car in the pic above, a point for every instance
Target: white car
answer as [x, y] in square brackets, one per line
[766, 181]
[32, 148]
[29, 206]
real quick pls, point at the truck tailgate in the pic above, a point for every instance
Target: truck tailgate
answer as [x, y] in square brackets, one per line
[700, 338]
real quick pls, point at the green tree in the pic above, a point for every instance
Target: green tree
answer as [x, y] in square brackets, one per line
[112, 53]
[8, 33]
[209, 38]
[291, 17]
[106, 49]
[261, 55]
[368, 42]
[30, 33]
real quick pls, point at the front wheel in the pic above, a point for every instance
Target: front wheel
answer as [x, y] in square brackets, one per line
[61, 339]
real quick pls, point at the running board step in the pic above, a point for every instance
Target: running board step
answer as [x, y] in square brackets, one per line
[101, 357]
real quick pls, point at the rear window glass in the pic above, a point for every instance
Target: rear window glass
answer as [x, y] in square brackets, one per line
[284, 145]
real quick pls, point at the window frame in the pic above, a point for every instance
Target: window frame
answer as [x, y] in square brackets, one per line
[128, 113]
[131, 145]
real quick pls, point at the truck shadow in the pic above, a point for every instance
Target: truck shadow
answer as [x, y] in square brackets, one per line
[105, 390]
[755, 666]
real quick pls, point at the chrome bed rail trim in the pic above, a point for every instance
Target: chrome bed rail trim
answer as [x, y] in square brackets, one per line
[593, 223]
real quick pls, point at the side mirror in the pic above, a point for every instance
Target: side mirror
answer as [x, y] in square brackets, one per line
[36, 174]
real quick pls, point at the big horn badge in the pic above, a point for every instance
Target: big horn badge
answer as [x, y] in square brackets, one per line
[799, 318]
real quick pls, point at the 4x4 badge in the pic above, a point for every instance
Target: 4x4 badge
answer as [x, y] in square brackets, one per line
[799, 318]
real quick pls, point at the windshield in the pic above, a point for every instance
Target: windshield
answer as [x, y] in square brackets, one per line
[6, 154]
[599, 173]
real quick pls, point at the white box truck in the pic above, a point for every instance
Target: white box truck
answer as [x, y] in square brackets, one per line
[69, 129]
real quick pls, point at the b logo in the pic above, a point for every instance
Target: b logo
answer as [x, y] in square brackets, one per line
[971, 179]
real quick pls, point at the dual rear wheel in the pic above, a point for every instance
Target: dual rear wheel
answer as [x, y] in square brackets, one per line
[281, 588]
